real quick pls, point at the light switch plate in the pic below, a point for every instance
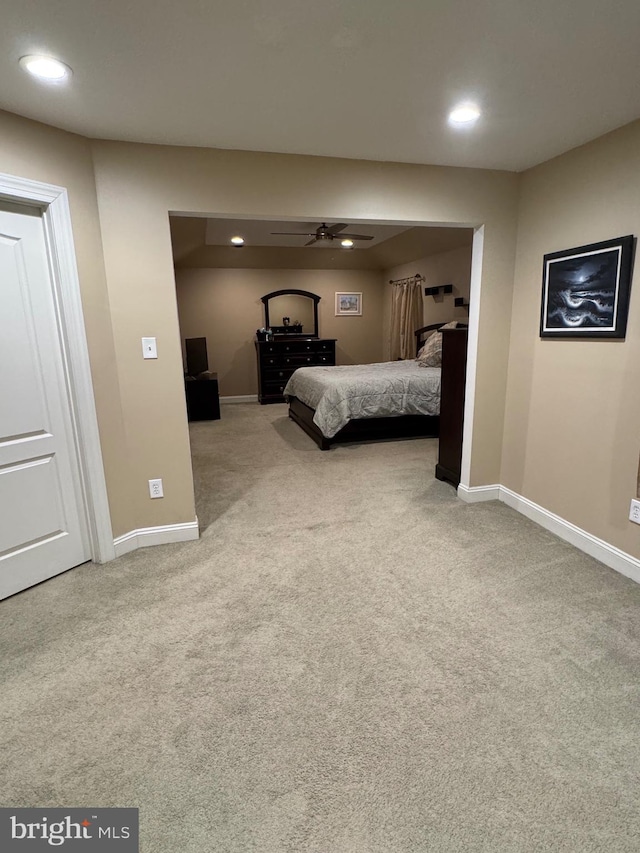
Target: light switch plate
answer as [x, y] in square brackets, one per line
[149, 348]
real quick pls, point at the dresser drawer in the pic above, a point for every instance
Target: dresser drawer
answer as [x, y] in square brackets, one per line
[268, 360]
[278, 374]
[302, 347]
[295, 347]
[298, 360]
[324, 346]
[273, 389]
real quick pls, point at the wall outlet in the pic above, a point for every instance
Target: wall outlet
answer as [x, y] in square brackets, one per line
[155, 490]
[634, 512]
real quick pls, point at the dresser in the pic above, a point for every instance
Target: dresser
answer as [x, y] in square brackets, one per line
[278, 358]
[454, 373]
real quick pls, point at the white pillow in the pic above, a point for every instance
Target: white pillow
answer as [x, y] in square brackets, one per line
[430, 354]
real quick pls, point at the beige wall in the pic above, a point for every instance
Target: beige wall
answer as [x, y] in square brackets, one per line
[572, 426]
[224, 306]
[40, 153]
[452, 267]
[137, 186]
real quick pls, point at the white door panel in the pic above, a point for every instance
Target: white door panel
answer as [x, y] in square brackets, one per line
[20, 376]
[43, 527]
[32, 509]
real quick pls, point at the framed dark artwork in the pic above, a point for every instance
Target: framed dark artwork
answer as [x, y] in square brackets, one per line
[585, 291]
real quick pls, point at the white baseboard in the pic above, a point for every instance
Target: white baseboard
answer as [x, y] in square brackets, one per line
[473, 494]
[608, 554]
[163, 535]
[246, 398]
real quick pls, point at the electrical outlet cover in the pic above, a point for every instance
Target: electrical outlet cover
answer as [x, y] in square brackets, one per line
[155, 489]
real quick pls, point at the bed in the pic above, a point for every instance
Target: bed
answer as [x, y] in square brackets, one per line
[396, 399]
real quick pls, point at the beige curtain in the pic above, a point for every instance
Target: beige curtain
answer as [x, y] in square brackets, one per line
[406, 317]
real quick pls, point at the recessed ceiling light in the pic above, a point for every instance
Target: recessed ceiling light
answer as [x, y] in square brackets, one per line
[237, 241]
[346, 243]
[464, 114]
[46, 68]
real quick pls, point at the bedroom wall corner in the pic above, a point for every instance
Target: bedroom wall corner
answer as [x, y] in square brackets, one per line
[450, 267]
[572, 425]
[489, 337]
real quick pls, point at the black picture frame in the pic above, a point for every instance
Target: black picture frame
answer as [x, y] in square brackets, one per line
[585, 290]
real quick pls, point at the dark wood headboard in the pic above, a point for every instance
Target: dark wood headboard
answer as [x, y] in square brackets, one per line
[421, 334]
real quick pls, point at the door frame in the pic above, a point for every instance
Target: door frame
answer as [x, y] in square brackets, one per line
[53, 204]
[475, 286]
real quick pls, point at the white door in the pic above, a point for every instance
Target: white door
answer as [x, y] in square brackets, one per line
[43, 525]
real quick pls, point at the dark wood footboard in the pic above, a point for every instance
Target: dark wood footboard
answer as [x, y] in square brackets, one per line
[366, 429]
[303, 416]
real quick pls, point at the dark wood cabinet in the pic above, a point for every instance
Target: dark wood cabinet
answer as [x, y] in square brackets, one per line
[203, 399]
[454, 373]
[278, 358]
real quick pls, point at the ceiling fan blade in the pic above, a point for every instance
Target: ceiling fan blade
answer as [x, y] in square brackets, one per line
[333, 232]
[293, 234]
[354, 236]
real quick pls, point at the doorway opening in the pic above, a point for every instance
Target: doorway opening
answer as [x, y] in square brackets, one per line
[220, 284]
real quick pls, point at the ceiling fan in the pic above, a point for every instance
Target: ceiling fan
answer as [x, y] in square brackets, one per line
[325, 232]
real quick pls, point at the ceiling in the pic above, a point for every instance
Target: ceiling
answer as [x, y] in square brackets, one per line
[204, 243]
[366, 79]
[218, 232]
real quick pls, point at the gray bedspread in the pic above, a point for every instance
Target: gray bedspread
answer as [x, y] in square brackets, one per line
[386, 389]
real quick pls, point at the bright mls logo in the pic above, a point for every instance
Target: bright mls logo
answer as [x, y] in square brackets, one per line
[79, 830]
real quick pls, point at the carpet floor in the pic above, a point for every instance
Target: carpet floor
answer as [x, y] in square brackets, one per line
[349, 660]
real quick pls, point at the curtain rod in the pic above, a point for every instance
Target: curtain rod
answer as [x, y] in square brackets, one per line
[416, 277]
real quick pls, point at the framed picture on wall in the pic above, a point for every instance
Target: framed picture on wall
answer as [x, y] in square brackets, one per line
[348, 304]
[585, 291]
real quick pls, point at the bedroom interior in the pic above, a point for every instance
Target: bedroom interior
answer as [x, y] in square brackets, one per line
[331, 651]
[290, 318]
[220, 288]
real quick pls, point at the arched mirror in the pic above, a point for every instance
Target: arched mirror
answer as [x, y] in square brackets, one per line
[291, 312]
